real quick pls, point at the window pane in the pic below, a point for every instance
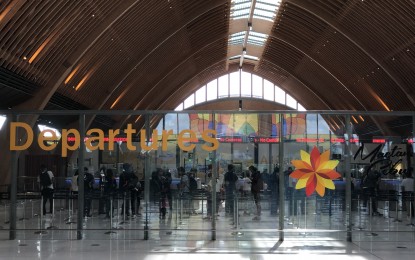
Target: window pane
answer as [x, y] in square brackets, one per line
[279, 95]
[234, 82]
[323, 127]
[268, 90]
[184, 122]
[291, 102]
[246, 84]
[190, 101]
[223, 86]
[256, 86]
[301, 108]
[171, 122]
[160, 126]
[201, 95]
[179, 107]
[212, 90]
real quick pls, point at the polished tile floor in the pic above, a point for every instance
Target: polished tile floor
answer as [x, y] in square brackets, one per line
[314, 231]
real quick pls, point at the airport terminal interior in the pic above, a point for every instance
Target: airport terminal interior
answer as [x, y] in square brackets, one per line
[237, 129]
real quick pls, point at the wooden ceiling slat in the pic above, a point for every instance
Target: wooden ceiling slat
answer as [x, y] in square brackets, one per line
[338, 54]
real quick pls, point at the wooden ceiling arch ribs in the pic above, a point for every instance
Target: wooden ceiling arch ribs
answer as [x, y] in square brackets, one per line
[329, 21]
[320, 65]
[42, 97]
[132, 70]
[314, 60]
[10, 10]
[49, 89]
[192, 55]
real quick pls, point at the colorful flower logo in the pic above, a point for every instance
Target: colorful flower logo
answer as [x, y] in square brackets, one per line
[315, 172]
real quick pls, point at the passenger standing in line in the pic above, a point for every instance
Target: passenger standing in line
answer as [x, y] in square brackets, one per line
[132, 187]
[88, 189]
[230, 186]
[255, 189]
[169, 195]
[154, 188]
[184, 190]
[74, 183]
[273, 185]
[246, 190]
[194, 204]
[209, 197]
[370, 182]
[124, 187]
[164, 187]
[46, 179]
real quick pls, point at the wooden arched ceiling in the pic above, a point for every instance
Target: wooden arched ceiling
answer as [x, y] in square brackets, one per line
[148, 55]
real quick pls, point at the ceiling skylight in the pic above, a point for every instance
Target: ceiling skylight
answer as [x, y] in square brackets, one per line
[237, 38]
[250, 15]
[266, 9]
[257, 38]
[240, 9]
[263, 9]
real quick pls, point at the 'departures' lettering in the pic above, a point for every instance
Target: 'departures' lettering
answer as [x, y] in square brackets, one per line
[95, 141]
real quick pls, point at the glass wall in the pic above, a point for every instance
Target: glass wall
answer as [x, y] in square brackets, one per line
[207, 175]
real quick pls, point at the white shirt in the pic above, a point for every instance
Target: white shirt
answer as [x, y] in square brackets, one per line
[239, 184]
[218, 185]
[408, 184]
[247, 184]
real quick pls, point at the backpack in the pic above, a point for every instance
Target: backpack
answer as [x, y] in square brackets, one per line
[45, 180]
[192, 184]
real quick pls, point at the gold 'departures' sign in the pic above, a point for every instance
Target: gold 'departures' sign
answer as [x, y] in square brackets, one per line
[96, 139]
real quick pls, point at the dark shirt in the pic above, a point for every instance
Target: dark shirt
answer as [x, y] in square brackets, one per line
[370, 180]
[110, 185]
[230, 180]
[88, 181]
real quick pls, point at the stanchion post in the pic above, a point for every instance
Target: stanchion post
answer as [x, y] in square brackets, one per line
[111, 211]
[370, 213]
[181, 208]
[237, 212]
[177, 212]
[305, 212]
[41, 231]
[81, 190]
